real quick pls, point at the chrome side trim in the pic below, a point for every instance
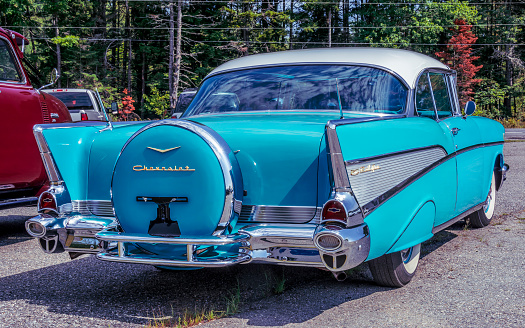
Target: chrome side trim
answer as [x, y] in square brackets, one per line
[232, 180]
[388, 171]
[379, 200]
[49, 163]
[463, 215]
[10, 203]
[280, 214]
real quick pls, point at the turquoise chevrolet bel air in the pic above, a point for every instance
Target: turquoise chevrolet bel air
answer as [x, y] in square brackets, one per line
[324, 158]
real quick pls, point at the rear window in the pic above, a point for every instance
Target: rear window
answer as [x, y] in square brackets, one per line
[74, 100]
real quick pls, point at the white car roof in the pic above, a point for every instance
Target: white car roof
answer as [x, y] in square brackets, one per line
[407, 64]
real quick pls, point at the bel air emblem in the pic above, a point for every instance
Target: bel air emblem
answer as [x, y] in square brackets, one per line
[163, 150]
[363, 169]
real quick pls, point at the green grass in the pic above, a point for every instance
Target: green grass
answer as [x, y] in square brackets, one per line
[279, 286]
[197, 316]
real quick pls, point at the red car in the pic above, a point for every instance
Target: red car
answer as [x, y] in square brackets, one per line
[22, 174]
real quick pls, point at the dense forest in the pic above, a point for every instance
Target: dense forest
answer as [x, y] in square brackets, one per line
[148, 51]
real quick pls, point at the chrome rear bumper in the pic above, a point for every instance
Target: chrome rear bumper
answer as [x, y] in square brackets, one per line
[282, 244]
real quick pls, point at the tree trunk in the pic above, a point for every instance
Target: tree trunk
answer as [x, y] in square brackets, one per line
[291, 23]
[130, 55]
[126, 51]
[143, 85]
[330, 28]
[59, 54]
[178, 55]
[173, 101]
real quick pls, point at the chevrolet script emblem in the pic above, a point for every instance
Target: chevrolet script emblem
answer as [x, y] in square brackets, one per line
[163, 150]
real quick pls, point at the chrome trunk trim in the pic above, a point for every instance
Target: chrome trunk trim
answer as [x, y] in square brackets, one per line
[280, 214]
[93, 207]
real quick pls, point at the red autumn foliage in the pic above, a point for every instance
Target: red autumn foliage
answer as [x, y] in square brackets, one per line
[127, 111]
[458, 56]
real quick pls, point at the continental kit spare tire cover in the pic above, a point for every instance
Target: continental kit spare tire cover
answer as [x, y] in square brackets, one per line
[176, 159]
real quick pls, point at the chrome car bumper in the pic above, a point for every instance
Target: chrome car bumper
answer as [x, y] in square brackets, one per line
[283, 244]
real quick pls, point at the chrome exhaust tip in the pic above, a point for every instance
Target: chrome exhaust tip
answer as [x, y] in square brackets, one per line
[36, 229]
[340, 275]
[41, 226]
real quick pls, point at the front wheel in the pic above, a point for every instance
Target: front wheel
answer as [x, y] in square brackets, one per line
[483, 216]
[395, 269]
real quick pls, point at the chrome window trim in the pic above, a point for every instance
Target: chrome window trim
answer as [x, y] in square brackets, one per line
[393, 73]
[20, 68]
[221, 150]
[447, 73]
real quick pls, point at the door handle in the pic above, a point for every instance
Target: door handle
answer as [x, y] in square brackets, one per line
[455, 131]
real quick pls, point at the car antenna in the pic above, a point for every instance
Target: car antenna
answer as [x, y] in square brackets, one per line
[109, 126]
[339, 98]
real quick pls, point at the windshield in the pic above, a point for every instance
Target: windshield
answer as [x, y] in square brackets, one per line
[312, 87]
[74, 100]
[9, 70]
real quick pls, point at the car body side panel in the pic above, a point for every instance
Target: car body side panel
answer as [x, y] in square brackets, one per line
[419, 229]
[492, 132]
[420, 176]
[390, 220]
[20, 110]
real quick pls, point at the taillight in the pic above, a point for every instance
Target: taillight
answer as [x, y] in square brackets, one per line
[83, 116]
[47, 202]
[334, 210]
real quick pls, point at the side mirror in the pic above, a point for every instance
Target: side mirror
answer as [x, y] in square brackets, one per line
[114, 108]
[54, 76]
[470, 108]
[52, 80]
[176, 115]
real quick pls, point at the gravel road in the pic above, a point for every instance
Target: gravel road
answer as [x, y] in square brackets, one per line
[466, 278]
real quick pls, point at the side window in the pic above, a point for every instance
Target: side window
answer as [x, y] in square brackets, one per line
[9, 71]
[424, 102]
[441, 95]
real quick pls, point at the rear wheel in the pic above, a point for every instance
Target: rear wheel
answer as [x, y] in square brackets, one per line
[395, 269]
[483, 216]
